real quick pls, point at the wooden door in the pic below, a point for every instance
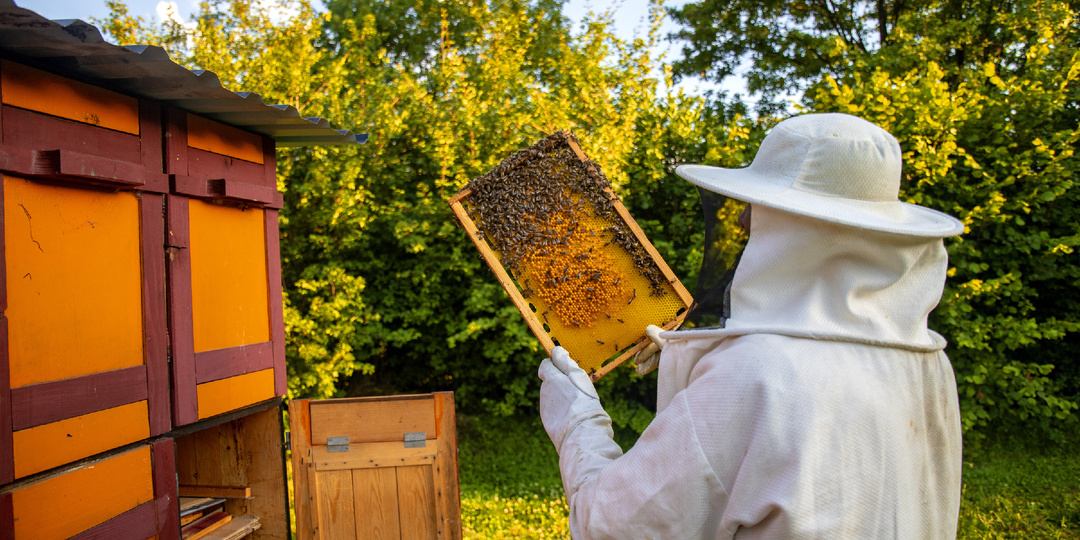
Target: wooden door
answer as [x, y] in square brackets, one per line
[376, 468]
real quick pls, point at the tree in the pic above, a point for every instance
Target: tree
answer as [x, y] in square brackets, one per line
[982, 96]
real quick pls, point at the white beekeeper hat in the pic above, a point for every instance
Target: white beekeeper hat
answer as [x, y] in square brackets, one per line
[833, 167]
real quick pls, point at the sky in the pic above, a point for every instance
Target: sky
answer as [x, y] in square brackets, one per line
[630, 17]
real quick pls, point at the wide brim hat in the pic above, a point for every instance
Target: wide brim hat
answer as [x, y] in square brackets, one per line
[833, 167]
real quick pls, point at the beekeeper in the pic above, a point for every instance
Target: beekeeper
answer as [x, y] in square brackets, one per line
[823, 406]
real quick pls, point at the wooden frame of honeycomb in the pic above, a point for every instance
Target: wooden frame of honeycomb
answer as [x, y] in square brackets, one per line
[575, 264]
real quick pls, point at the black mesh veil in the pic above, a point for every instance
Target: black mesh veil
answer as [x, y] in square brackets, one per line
[712, 296]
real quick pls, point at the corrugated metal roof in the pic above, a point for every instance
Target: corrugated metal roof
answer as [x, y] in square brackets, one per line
[76, 49]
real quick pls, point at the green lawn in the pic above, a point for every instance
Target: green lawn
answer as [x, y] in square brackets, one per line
[510, 487]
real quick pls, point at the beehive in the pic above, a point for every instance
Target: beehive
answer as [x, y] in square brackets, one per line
[574, 262]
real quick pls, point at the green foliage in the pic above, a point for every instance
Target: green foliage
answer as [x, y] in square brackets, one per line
[989, 136]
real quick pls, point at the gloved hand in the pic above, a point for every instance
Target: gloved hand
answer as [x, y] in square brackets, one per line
[567, 396]
[648, 358]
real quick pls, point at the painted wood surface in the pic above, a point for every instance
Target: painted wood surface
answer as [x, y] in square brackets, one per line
[206, 134]
[229, 295]
[155, 310]
[44, 403]
[185, 405]
[74, 282]
[84, 498]
[277, 316]
[224, 395]
[223, 363]
[372, 419]
[35, 131]
[52, 445]
[7, 466]
[36, 90]
[163, 455]
[210, 166]
[375, 489]
[138, 523]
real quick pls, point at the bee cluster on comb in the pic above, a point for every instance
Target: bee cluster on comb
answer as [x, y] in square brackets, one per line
[575, 262]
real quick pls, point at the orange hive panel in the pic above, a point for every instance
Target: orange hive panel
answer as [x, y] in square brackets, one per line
[229, 287]
[575, 263]
[74, 281]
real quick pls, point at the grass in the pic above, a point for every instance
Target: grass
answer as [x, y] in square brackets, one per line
[510, 486]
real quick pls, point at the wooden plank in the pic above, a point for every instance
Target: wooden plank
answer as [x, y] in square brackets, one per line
[507, 283]
[334, 490]
[176, 148]
[218, 492]
[208, 165]
[163, 456]
[138, 523]
[50, 445]
[262, 456]
[7, 517]
[270, 163]
[239, 527]
[155, 310]
[27, 129]
[190, 504]
[372, 420]
[74, 281]
[447, 488]
[97, 168]
[16, 160]
[277, 318]
[416, 502]
[230, 362]
[181, 336]
[88, 496]
[206, 134]
[36, 90]
[7, 459]
[225, 395]
[368, 455]
[302, 469]
[229, 295]
[151, 133]
[375, 504]
[205, 525]
[49, 402]
[241, 191]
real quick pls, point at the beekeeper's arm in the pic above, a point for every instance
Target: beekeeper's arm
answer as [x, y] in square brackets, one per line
[662, 488]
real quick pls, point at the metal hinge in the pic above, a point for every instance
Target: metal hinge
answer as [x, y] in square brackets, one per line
[416, 439]
[337, 444]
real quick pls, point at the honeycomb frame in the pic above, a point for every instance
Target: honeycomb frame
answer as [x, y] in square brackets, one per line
[572, 262]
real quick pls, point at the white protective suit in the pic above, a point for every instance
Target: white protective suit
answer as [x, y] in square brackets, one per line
[824, 409]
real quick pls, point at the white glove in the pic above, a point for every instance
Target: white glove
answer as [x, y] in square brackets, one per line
[567, 396]
[648, 358]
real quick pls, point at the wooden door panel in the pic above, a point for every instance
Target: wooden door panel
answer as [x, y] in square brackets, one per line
[375, 503]
[334, 490]
[379, 483]
[416, 499]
